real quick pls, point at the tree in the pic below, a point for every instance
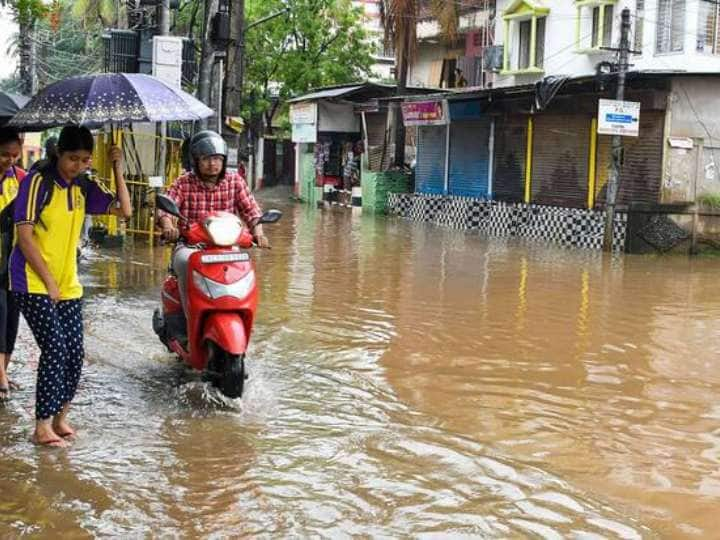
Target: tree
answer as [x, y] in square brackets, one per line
[400, 19]
[318, 43]
[25, 13]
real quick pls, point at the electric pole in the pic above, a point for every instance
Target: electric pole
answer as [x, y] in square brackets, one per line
[207, 56]
[401, 78]
[617, 145]
[163, 16]
[235, 71]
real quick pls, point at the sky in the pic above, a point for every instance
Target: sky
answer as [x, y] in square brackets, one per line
[7, 65]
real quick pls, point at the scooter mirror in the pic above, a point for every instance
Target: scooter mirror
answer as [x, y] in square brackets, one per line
[271, 216]
[166, 204]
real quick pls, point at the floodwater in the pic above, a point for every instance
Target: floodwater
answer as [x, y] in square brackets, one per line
[405, 381]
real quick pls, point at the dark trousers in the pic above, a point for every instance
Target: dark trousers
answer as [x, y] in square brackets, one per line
[58, 331]
[9, 320]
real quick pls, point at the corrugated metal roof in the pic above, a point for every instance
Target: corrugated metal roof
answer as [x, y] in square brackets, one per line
[324, 94]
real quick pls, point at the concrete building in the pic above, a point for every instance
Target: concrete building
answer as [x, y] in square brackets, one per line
[440, 63]
[383, 68]
[569, 37]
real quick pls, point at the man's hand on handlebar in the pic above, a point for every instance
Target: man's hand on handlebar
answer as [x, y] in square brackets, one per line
[262, 241]
[170, 233]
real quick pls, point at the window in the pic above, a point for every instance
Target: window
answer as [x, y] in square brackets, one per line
[670, 26]
[639, 24]
[708, 39]
[604, 14]
[524, 37]
[525, 49]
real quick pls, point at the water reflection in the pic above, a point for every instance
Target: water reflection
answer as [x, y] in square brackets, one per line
[405, 381]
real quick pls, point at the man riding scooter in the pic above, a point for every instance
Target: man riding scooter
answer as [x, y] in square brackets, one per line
[208, 301]
[210, 188]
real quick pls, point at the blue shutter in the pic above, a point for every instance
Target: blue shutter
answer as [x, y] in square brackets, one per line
[430, 168]
[469, 158]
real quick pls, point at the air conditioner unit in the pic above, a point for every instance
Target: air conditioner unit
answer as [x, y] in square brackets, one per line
[493, 58]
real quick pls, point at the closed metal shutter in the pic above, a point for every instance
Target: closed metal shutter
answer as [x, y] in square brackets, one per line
[430, 169]
[376, 123]
[469, 158]
[510, 156]
[641, 173]
[561, 146]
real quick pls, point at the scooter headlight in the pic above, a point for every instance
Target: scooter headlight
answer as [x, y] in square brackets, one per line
[224, 229]
[212, 289]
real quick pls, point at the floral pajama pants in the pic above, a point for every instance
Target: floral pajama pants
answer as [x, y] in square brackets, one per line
[58, 331]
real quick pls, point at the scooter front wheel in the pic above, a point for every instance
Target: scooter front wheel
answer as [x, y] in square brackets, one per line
[228, 371]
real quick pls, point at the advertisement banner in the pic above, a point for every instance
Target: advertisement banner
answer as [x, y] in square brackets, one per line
[425, 113]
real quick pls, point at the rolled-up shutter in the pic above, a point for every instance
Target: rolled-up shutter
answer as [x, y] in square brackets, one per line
[430, 168]
[640, 176]
[510, 156]
[469, 155]
[561, 145]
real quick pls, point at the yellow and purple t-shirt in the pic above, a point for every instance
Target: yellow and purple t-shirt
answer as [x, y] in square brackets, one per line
[9, 185]
[57, 228]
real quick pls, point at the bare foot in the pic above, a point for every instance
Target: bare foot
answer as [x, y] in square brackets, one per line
[50, 440]
[63, 429]
[4, 386]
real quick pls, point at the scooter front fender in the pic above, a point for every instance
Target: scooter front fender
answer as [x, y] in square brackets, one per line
[227, 331]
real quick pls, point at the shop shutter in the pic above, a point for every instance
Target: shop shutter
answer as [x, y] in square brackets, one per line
[469, 156]
[376, 123]
[430, 168]
[640, 176]
[561, 144]
[510, 156]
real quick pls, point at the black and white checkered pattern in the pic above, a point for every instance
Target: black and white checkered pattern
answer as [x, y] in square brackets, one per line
[572, 227]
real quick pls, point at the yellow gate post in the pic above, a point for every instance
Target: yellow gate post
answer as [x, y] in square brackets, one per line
[529, 160]
[592, 166]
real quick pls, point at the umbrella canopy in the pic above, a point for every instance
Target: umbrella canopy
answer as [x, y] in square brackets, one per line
[10, 104]
[95, 100]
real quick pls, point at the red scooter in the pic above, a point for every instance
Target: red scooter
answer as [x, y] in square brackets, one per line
[210, 297]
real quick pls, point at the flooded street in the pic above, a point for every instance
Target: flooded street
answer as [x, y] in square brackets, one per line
[405, 380]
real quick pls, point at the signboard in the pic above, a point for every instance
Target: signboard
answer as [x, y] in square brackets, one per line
[619, 118]
[424, 113]
[304, 133]
[167, 59]
[303, 113]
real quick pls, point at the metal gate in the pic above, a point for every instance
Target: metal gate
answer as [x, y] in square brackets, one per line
[561, 150]
[431, 152]
[641, 172]
[469, 158]
[510, 157]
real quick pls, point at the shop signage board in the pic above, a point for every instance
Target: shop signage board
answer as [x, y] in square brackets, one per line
[425, 113]
[303, 117]
[304, 133]
[619, 118]
[303, 113]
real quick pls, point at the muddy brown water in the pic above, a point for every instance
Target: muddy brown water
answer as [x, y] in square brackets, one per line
[405, 381]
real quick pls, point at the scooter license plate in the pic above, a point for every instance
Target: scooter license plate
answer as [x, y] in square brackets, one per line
[224, 258]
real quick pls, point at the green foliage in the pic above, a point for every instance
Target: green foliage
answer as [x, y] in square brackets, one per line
[26, 11]
[318, 43]
[710, 199]
[74, 48]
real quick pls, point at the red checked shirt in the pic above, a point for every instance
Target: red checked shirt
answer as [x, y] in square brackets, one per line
[196, 200]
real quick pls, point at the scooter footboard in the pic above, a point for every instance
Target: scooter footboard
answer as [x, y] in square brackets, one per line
[227, 330]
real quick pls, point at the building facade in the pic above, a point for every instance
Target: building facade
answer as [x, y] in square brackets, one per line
[383, 68]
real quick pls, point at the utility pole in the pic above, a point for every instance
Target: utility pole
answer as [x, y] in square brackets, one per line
[401, 77]
[617, 145]
[207, 56]
[163, 16]
[235, 72]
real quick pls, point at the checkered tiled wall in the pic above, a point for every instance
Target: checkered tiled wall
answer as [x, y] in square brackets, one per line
[566, 226]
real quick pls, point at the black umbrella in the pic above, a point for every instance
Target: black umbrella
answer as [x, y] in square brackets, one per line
[10, 104]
